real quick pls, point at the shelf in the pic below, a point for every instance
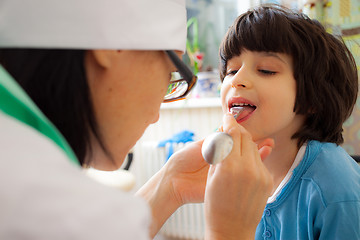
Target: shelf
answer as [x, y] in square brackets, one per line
[193, 103]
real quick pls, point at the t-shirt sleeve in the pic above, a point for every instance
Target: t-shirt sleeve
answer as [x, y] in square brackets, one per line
[339, 221]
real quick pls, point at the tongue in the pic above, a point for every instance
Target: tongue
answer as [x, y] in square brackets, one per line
[241, 112]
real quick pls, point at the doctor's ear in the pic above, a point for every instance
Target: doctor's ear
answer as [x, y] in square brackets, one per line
[105, 58]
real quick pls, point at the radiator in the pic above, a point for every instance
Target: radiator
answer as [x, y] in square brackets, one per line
[188, 221]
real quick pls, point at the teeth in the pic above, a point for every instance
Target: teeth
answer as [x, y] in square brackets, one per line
[241, 105]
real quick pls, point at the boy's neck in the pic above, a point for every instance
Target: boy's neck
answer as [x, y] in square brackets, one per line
[281, 159]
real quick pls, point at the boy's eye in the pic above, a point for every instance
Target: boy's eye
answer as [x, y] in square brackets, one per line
[231, 73]
[266, 72]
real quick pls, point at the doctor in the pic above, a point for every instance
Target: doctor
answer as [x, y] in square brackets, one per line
[80, 82]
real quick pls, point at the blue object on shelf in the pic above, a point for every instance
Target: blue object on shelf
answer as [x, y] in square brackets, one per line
[181, 137]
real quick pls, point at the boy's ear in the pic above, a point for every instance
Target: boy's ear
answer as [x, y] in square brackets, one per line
[105, 58]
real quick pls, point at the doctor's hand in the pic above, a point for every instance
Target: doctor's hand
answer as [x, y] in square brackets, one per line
[188, 173]
[237, 188]
[184, 177]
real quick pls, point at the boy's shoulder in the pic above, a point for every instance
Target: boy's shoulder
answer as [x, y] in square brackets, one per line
[331, 172]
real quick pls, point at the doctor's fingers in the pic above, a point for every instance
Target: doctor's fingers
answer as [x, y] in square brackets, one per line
[242, 139]
[262, 174]
[246, 158]
[249, 156]
[265, 148]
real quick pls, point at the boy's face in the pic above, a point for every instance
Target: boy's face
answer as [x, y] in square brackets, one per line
[262, 85]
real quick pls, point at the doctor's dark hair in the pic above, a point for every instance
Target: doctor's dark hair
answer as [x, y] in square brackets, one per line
[56, 81]
[323, 67]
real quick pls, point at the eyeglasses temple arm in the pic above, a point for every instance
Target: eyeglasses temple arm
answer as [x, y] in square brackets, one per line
[180, 65]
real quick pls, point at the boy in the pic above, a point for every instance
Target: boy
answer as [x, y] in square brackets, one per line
[297, 84]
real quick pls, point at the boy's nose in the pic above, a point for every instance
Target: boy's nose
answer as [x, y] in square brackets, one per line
[242, 79]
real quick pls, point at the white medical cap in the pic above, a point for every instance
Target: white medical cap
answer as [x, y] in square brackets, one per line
[93, 24]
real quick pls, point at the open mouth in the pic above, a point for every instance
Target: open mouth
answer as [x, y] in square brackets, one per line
[241, 111]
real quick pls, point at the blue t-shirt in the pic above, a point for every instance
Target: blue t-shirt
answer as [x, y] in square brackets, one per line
[321, 200]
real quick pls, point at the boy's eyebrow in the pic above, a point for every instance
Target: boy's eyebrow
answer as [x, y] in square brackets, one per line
[272, 54]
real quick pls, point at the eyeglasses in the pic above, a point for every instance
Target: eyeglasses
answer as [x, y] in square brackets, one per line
[181, 82]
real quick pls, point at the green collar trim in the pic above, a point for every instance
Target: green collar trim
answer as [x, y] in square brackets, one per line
[16, 103]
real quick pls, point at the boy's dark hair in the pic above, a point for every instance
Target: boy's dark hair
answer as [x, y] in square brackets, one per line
[324, 69]
[56, 81]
